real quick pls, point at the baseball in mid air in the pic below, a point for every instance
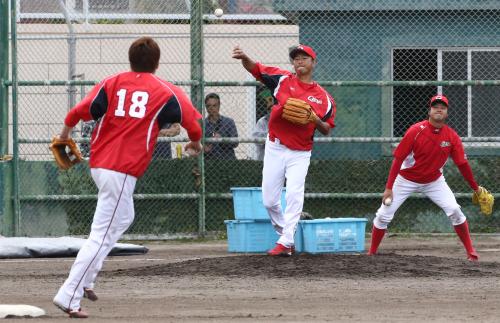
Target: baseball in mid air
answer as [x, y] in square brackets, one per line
[218, 12]
[388, 201]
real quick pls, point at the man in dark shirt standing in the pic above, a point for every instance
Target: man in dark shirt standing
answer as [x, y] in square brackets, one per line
[218, 126]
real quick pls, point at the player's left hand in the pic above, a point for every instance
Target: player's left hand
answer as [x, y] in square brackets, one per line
[298, 112]
[485, 200]
[65, 159]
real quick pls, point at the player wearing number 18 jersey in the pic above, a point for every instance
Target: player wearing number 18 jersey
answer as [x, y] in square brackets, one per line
[130, 108]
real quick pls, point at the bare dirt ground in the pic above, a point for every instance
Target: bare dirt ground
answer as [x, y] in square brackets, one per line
[414, 279]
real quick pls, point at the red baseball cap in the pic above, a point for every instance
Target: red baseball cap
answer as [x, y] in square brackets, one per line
[439, 99]
[302, 49]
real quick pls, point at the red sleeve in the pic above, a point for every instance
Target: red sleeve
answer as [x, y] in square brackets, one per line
[190, 115]
[193, 129]
[406, 145]
[460, 159]
[400, 153]
[262, 72]
[331, 111]
[466, 172]
[457, 150]
[81, 111]
[393, 173]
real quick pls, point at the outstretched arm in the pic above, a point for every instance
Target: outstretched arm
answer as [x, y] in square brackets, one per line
[460, 159]
[246, 61]
[466, 172]
[393, 173]
[65, 133]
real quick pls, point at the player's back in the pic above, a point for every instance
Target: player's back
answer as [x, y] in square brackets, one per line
[126, 134]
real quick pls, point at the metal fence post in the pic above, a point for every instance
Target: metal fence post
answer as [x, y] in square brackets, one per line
[15, 120]
[6, 210]
[197, 94]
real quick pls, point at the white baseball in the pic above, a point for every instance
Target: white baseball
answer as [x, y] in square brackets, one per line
[218, 12]
[388, 201]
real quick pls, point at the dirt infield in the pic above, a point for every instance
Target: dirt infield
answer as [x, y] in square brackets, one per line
[413, 280]
[305, 266]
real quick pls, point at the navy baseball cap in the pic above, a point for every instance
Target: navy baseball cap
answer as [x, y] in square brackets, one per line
[439, 99]
[302, 49]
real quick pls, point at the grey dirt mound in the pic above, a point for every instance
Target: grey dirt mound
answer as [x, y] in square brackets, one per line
[314, 266]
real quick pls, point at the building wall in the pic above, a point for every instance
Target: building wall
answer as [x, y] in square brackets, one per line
[357, 45]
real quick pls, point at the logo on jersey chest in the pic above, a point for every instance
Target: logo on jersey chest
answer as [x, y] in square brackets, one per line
[445, 144]
[315, 100]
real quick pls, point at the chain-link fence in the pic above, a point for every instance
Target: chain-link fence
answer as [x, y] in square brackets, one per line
[380, 60]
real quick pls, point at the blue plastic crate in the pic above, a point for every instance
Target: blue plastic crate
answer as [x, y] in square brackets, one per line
[250, 235]
[255, 236]
[299, 239]
[333, 235]
[248, 204]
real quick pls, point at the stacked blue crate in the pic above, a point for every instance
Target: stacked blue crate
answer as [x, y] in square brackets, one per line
[251, 231]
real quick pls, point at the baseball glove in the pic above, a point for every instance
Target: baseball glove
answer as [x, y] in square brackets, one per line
[65, 159]
[298, 112]
[484, 199]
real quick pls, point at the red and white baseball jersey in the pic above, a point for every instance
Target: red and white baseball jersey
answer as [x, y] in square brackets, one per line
[425, 150]
[131, 108]
[283, 85]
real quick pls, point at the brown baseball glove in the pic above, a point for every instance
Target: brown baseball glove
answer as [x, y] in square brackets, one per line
[65, 159]
[485, 200]
[298, 112]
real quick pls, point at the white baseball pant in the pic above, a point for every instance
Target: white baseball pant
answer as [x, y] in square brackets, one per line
[113, 215]
[438, 191]
[282, 163]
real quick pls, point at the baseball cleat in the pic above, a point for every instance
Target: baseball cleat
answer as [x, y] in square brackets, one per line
[89, 293]
[280, 250]
[473, 256]
[75, 314]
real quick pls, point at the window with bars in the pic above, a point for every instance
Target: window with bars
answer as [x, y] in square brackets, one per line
[474, 110]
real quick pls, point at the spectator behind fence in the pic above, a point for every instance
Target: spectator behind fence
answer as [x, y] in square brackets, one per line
[218, 126]
[163, 149]
[262, 126]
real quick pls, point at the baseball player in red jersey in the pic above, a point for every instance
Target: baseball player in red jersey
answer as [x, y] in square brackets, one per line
[288, 146]
[131, 108]
[418, 167]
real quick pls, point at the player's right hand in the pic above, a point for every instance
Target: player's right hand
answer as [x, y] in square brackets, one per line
[193, 148]
[171, 131]
[387, 194]
[238, 53]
